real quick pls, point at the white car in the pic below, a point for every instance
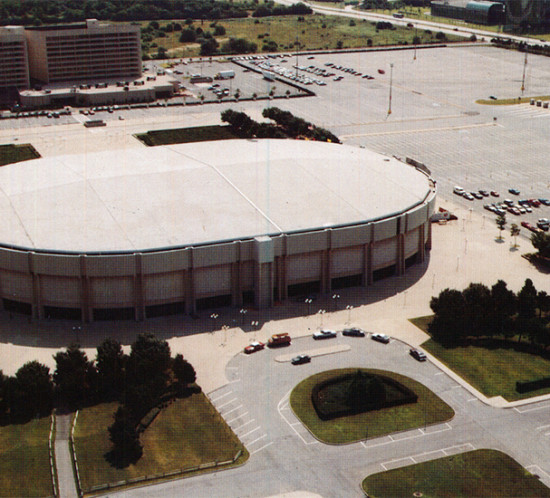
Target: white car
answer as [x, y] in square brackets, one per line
[324, 334]
[458, 190]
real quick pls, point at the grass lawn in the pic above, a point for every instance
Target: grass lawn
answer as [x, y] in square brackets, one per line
[311, 35]
[487, 473]
[187, 433]
[12, 153]
[428, 410]
[186, 135]
[24, 459]
[492, 371]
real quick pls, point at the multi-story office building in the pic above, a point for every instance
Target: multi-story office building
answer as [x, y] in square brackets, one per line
[84, 51]
[14, 71]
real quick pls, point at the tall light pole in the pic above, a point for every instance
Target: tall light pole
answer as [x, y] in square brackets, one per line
[243, 312]
[391, 82]
[321, 313]
[349, 307]
[523, 78]
[297, 44]
[308, 301]
[335, 298]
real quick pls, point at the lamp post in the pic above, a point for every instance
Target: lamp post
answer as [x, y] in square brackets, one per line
[308, 301]
[321, 313]
[349, 307]
[391, 82]
[214, 317]
[76, 330]
[254, 324]
[297, 44]
[225, 328]
[335, 297]
[243, 312]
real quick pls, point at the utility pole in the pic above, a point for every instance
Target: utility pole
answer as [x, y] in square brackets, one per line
[523, 78]
[391, 82]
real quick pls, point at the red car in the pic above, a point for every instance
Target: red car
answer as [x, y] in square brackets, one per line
[526, 224]
[534, 202]
[253, 347]
[494, 193]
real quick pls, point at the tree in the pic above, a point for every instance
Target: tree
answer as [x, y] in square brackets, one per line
[74, 376]
[187, 35]
[477, 301]
[527, 304]
[31, 391]
[543, 302]
[127, 448]
[448, 323]
[541, 242]
[184, 371]
[110, 361]
[501, 224]
[514, 232]
[209, 46]
[504, 306]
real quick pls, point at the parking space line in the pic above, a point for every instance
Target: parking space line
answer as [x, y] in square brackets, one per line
[222, 396]
[262, 447]
[242, 425]
[238, 416]
[531, 409]
[390, 462]
[257, 439]
[250, 432]
[541, 427]
[232, 410]
[225, 404]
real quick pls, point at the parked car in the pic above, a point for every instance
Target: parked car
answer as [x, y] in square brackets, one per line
[253, 347]
[544, 201]
[468, 196]
[494, 193]
[417, 355]
[353, 332]
[514, 191]
[458, 190]
[301, 358]
[324, 334]
[380, 338]
[534, 203]
[484, 193]
[475, 194]
[279, 340]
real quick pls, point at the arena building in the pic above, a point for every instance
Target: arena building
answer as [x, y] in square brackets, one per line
[137, 233]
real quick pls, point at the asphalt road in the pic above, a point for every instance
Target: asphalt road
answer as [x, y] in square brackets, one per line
[285, 457]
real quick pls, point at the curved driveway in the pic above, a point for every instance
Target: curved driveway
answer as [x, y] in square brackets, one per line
[286, 458]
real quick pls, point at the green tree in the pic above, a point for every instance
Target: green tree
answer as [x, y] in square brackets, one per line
[209, 46]
[187, 35]
[501, 224]
[31, 391]
[110, 360]
[504, 306]
[447, 326]
[477, 301]
[541, 242]
[514, 232]
[74, 376]
[543, 302]
[127, 448]
[184, 373]
[527, 305]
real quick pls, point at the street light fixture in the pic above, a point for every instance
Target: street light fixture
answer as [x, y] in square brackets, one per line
[321, 313]
[335, 297]
[349, 307]
[214, 317]
[243, 312]
[225, 328]
[76, 330]
[308, 301]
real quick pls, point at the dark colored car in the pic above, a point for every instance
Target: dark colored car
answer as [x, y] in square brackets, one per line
[383, 338]
[514, 191]
[353, 332]
[417, 355]
[301, 358]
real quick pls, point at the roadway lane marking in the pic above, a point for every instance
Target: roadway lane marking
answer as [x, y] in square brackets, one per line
[419, 130]
[450, 450]
[541, 427]
[250, 432]
[225, 404]
[283, 402]
[262, 447]
[238, 416]
[222, 396]
[232, 410]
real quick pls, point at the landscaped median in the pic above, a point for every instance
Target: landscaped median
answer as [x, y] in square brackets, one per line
[186, 438]
[426, 410]
[475, 473]
[24, 459]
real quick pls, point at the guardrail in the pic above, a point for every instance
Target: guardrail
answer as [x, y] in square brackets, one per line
[53, 469]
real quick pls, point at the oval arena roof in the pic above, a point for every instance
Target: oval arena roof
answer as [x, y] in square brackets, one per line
[187, 194]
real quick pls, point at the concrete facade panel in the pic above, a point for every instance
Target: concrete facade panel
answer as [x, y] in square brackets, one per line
[14, 260]
[304, 267]
[16, 286]
[219, 254]
[112, 292]
[350, 236]
[111, 266]
[348, 261]
[417, 217]
[50, 264]
[168, 261]
[411, 242]
[64, 291]
[212, 281]
[307, 242]
[384, 253]
[164, 287]
[384, 229]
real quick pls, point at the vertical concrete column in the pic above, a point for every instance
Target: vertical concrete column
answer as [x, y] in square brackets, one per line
[37, 308]
[236, 280]
[263, 271]
[190, 299]
[429, 241]
[400, 257]
[139, 290]
[368, 263]
[421, 246]
[283, 260]
[85, 294]
[326, 278]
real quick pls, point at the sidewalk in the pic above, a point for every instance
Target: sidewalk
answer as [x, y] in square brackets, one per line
[63, 461]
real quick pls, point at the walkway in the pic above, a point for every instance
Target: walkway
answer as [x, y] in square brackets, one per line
[63, 462]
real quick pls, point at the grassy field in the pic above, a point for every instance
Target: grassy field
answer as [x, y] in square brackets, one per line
[487, 473]
[24, 459]
[428, 410]
[187, 433]
[12, 153]
[185, 135]
[316, 32]
[492, 371]
[519, 100]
